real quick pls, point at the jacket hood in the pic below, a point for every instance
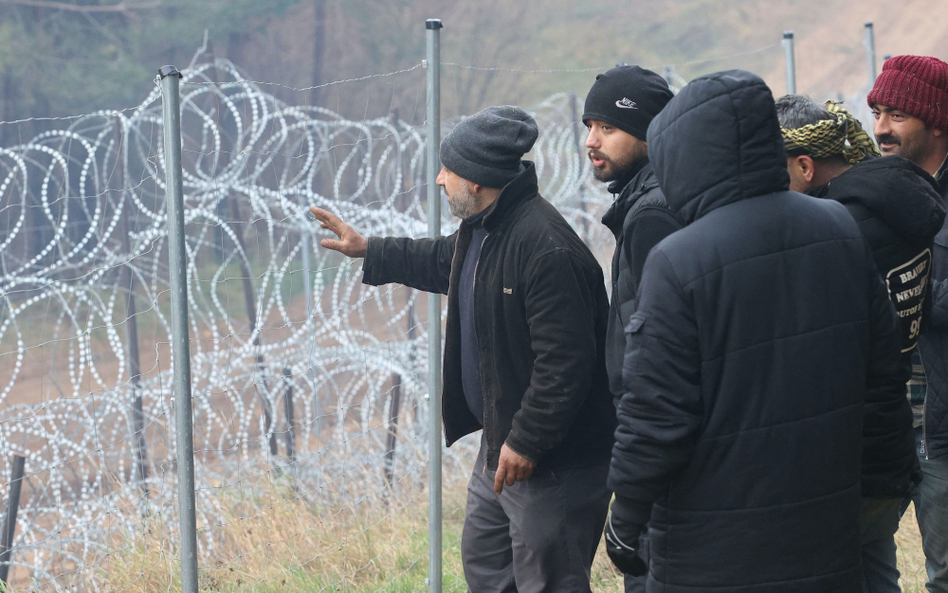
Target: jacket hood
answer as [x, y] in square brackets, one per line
[896, 190]
[717, 142]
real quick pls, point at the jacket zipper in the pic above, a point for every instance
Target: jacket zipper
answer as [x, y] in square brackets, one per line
[924, 403]
[476, 339]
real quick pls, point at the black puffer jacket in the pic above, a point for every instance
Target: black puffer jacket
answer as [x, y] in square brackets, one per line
[762, 329]
[540, 312]
[898, 208]
[899, 211]
[639, 218]
[933, 347]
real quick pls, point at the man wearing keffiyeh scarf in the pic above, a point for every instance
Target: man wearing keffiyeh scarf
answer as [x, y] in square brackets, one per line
[899, 211]
[820, 150]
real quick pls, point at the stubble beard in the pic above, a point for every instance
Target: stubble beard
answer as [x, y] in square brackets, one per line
[909, 147]
[463, 204]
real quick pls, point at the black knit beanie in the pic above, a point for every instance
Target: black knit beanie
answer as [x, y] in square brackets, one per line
[486, 147]
[627, 97]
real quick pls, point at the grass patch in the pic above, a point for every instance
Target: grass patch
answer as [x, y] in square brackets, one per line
[278, 542]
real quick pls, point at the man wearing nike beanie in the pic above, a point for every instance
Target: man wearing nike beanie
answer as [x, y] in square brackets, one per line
[619, 107]
[910, 103]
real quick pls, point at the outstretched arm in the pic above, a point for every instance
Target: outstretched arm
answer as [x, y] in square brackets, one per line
[424, 264]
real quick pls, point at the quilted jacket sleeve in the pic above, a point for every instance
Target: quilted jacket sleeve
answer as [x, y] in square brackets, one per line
[661, 411]
[424, 264]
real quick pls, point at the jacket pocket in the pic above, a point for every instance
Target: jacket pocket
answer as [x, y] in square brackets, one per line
[635, 324]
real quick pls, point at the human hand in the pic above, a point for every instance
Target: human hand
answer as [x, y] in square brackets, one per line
[350, 242]
[511, 467]
[624, 551]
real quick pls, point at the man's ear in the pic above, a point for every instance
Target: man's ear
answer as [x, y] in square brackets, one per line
[807, 168]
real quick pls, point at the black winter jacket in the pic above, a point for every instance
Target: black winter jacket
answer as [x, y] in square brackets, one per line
[762, 330]
[639, 218]
[899, 211]
[933, 347]
[540, 317]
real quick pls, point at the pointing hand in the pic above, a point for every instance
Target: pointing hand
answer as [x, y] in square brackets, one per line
[350, 242]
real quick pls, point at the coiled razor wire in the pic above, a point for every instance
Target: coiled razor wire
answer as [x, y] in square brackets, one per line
[82, 241]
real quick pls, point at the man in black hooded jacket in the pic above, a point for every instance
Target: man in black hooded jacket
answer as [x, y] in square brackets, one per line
[619, 107]
[899, 210]
[762, 331]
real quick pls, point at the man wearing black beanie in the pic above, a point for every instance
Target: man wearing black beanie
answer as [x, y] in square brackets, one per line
[619, 107]
[523, 357]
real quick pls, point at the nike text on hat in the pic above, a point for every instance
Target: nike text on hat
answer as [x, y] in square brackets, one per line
[627, 97]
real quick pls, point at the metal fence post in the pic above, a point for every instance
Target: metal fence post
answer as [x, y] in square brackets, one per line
[791, 66]
[9, 521]
[433, 43]
[871, 52]
[140, 459]
[181, 348]
[391, 438]
[290, 414]
[308, 292]
[251, 306]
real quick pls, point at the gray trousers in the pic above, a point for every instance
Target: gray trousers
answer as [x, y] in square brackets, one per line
[539, 535]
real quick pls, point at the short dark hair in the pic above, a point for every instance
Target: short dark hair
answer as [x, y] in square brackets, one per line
[796, 111]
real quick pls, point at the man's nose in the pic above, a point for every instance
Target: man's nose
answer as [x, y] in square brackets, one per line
[880, 126]
[592, 139]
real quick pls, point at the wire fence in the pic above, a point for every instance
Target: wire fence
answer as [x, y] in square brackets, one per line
[310, 406]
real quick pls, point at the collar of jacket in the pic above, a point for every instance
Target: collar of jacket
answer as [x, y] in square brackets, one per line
[639, 180]
[524, 187]
[622, 184]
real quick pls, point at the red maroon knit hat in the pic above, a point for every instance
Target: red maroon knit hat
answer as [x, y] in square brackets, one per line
[917, 85]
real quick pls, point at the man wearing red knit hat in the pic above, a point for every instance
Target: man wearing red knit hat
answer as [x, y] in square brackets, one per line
[910, 104]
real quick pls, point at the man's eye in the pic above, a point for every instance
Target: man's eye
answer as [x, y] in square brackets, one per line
[606, 128]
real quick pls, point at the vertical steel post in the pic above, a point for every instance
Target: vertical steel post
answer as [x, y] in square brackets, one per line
[290, 415]
[433, 43]
[9, 521]
[308, 292]
[871, 52]
[391, 438]
[140, 460]
[180, 344]
[791, 65]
